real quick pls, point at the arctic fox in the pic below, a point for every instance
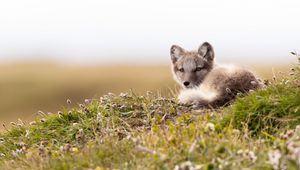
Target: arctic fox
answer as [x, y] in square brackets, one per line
[205, 83]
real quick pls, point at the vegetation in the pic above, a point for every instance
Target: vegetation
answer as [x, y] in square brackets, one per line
[128, 131]
[46, 85]
[276, 106]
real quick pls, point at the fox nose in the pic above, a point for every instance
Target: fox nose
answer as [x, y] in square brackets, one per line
[186, 83]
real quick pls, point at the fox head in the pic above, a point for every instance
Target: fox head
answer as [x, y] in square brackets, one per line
[190, 67]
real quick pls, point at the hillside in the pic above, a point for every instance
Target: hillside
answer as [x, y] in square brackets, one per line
[128, 131]
[46, 85]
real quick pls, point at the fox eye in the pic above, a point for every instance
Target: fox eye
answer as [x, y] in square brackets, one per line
[198, 69]
[181, 70]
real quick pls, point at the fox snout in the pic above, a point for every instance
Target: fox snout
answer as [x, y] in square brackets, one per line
[186, 83]
[188, 80]
[189, 84]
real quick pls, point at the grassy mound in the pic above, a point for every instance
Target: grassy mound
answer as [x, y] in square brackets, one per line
[128, 131]
[269, 109]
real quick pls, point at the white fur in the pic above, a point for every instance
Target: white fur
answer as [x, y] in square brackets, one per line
[176, 79]
[228, 67]
[196, 94]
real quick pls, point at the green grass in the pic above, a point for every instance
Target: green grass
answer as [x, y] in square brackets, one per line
[34, 86]
[274, 107]
[130, 131]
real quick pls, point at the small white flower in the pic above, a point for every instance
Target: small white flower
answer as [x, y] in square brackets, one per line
[99, 117]
[61, 148]
[252, 156]
[123, 94]
[294, 148]
[32, 123]
[87, 101]
[188, 165]
[248, 154]
[82, 106]
[41, 113]
[14, 154]
[111, 94]
[27, 133]
[18, 150]
[274, 158]
[240, 152]
[210, 127]
[1, 140]
[236, 131]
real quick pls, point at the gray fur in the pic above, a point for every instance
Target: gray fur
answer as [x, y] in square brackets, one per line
[209, 84]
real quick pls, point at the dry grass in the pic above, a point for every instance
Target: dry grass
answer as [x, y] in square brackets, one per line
[130, 131]
[28, 87]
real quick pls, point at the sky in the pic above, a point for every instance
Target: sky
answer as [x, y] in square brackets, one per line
[139, 31]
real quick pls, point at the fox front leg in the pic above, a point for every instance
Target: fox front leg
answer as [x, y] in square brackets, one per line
[200, 104]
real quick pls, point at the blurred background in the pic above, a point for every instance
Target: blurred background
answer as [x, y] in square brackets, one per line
[54, 50]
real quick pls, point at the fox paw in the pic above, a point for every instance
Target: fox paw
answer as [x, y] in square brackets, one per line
[199, 105]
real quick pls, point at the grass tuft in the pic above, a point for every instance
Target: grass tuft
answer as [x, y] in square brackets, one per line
[268, 109]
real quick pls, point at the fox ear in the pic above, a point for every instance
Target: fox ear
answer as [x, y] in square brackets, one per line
[176, 52]
[206, 51]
